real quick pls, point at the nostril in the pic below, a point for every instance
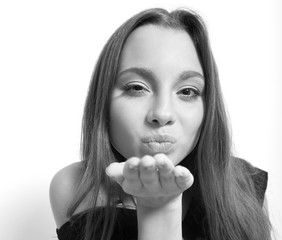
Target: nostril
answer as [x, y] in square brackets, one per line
[160, 122]
[160, 118]
[155, 121]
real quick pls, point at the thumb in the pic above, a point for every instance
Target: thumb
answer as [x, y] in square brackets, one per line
[115, 171]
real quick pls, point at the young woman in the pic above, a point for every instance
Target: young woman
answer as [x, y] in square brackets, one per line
[156, 152]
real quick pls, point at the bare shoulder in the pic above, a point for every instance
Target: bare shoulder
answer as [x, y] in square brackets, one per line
[62, 191]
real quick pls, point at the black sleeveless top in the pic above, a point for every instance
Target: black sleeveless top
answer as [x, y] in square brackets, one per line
[126, 224]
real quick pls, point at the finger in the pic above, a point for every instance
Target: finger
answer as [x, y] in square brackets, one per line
[132, 181]
[131, 169]
[115, 171]
[183, 177]
[165, 169]
[148, 172]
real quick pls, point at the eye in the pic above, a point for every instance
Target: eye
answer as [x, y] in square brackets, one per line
[189, 93]
[135, 89]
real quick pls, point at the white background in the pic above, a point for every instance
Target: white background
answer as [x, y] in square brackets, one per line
[47, 53]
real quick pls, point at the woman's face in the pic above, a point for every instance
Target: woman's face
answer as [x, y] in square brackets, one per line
[157, 105]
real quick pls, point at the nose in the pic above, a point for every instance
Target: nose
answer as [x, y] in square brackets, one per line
[161, 112]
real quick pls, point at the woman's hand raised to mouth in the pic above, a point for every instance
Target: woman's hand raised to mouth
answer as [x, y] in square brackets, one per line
[153, 180]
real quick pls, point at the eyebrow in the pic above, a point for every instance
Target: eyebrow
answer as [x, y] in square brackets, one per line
[143, 72]
[190, 74]
[148, 74]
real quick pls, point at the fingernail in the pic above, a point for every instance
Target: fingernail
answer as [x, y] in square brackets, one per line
[132, 167]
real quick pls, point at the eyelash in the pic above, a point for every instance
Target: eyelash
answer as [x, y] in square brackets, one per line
[131, 90]
[195, 93]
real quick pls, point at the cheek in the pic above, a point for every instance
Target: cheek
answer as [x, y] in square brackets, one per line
[121, 129]
[117, 124]
[193, 121]
[192, 124]
[198, 120]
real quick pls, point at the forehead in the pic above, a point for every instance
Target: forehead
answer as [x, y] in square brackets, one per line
[153, 45]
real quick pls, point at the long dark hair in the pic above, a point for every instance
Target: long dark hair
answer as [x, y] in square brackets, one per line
[229, 199]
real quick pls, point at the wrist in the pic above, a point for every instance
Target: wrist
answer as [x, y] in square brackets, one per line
[162, 221]
[170, 203]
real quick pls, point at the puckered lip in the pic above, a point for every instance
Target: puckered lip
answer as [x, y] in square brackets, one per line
[158, 144]
[158, 139]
